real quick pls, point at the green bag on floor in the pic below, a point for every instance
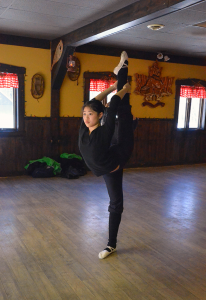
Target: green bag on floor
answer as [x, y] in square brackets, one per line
[49, 161]
[70, 156]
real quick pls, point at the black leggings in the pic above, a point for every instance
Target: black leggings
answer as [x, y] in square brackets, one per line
[124, 143]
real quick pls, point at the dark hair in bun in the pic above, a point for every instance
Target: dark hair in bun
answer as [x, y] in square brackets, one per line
[95, 105]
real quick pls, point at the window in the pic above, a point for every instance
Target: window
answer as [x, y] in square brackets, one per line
[8, 99]
[11, 100]
[97, 86]
[7, 108]
[190, 105]
[96, 82]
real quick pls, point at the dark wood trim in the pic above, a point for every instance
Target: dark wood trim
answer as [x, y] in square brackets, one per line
[137, 13]
[36, 118]
[55, 103]
[12, 69]
[181, 4]
[98, 75]
[177, 96]
[80, 118]
[112, 51]
[86, 88]
[188, 110]
[101, 75]
[201, 112]
[9, 134]
[59, 69]
[55, 99]
[21, 100]
[70, 118]
[190, 81]
[24, 41]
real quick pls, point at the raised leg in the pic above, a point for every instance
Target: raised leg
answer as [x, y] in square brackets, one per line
[124, 131]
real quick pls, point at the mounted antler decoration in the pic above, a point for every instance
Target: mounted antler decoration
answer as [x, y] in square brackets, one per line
[153, 87]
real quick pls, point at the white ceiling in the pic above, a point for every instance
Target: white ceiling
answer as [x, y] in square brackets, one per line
[180, 36]
[51, 19]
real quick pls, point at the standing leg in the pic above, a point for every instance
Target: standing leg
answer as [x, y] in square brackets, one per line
[114, 187]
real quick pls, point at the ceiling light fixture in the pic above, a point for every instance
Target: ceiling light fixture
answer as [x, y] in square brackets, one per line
[155, 26]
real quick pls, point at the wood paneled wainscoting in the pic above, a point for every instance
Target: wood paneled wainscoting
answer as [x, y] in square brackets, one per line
[157, 142]
[37, 141]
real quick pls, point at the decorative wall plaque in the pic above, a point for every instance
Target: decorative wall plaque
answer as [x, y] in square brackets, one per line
[37, 86]
[153, 87]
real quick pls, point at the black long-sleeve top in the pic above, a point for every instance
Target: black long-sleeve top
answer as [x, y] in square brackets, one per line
[95, 147]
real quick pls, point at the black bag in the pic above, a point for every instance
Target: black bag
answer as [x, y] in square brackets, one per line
[71, 173]
[43, 172]
[35, 165]
[73, 167]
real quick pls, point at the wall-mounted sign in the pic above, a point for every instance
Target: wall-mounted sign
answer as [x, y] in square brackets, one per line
[153, 87]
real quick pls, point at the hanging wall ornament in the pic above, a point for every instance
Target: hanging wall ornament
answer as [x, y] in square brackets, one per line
[160, 56]
[166, 58]
[153, 87]
[73, 68]
[58, 53]
[37, 86]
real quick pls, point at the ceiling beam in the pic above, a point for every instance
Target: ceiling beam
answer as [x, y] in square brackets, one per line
[137, 13]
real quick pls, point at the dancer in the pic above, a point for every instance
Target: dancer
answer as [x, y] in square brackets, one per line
[102, 158]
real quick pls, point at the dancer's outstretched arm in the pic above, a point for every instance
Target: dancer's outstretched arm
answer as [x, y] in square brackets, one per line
[103, 94]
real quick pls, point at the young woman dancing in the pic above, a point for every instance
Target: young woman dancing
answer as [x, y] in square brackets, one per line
[103, 158]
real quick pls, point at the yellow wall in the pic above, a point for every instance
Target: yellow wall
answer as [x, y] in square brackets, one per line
[35, 61]
[71, 95]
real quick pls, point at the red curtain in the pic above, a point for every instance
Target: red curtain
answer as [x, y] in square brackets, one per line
[97, 85]
[192, 92]
[8, 80]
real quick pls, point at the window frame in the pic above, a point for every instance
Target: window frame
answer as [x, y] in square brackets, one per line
[19, 103]
[97, 75]
[188, 82]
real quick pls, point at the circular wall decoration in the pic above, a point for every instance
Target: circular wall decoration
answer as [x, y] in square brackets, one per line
[73, 73]
[37, 86]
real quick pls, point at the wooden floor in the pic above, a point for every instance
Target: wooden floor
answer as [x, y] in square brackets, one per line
[51, 231]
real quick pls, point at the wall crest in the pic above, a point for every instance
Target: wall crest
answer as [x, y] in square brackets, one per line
[153, 87]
